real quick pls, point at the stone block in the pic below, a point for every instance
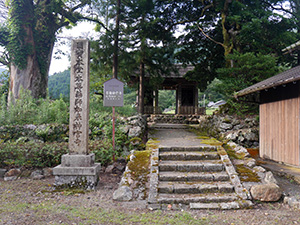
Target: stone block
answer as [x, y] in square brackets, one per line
[68, 160]
[80, 177]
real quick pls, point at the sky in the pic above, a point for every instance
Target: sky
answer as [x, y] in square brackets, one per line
[82, 30]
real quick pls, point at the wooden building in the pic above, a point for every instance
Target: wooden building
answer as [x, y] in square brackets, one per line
[279, 127]
[186, 93]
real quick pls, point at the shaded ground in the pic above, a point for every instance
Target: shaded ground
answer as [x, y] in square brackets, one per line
[27, 201]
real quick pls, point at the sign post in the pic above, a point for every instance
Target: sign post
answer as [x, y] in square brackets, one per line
[113, 96]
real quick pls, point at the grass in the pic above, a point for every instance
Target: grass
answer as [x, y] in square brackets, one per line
[92, 215]
[22, 202]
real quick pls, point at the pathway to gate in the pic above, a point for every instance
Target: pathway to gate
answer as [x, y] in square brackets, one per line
[187, 174]
[175, 135]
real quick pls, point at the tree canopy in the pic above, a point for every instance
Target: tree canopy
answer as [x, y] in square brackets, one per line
[218, 37]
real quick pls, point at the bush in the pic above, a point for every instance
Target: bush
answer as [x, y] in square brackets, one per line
[18, 150]
[31, 154]
[27, 110]
[39, 155]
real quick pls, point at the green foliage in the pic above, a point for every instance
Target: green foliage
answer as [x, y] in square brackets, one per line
[96, 106]
[248, 69]
[59, 84]
[20, 23]
[166, 99]
[212, 93]
[31, 154]
[28, 110]
[39, 155]
[4, 80]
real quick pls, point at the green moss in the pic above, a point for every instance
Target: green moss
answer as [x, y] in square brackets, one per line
[246, 174]
[139, 166]
[152, 144]
[211, 141]
[204, 137]
[232, 154]
[135, 139]
[222, 152]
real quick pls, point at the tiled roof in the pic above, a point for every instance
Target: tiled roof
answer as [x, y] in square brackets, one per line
[181, 71]
[285, 77]
[292, 47]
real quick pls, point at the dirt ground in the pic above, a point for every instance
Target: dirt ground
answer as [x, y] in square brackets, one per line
[27, 201]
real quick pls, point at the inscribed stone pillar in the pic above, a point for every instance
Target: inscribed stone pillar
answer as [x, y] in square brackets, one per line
[79, 98]
[78, 168]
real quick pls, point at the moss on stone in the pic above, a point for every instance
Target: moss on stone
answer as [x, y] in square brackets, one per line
[211, 141]
[232, 154]
[139, 166]
[246, 174]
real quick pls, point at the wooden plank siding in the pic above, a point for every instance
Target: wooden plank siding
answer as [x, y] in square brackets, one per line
[279, 130]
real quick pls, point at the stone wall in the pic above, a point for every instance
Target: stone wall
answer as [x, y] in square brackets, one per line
[37, 133]
[177, 119]
[134, 126]
[244, 131]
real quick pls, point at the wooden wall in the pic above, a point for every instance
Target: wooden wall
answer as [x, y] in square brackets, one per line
[279, 125]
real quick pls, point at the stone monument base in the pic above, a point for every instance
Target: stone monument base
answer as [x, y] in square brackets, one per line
[77, 171]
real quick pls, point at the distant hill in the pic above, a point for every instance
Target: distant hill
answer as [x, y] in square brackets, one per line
[59, 83]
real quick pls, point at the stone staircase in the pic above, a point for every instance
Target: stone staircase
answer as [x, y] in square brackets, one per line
[194, 178]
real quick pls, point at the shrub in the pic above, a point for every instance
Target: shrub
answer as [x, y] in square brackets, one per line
[31, 154]
[39, 155]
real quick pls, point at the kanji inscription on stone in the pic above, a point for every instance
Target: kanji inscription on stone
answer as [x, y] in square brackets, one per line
[79, 97]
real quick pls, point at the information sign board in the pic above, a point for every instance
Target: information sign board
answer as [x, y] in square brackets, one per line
[113, 93]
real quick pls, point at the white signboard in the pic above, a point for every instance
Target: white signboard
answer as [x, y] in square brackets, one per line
[113, 93]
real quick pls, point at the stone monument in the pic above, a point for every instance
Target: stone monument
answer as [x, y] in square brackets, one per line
[78, 168]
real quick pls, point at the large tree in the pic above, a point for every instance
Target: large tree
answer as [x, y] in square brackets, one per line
[29, 39]
[145, 44]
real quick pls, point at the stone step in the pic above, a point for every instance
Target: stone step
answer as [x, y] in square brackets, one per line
[194, 187]
[183, 155]
[222, 205]
[188, 149]
[192, 166]
[196, 198]
[193, 176]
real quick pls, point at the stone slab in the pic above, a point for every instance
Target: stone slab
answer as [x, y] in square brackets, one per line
[77, 177]
[76, 171]
[68, 160]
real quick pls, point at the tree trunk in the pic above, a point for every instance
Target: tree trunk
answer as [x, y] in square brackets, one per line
[116, 41]
[141, 88]
[31, 77]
